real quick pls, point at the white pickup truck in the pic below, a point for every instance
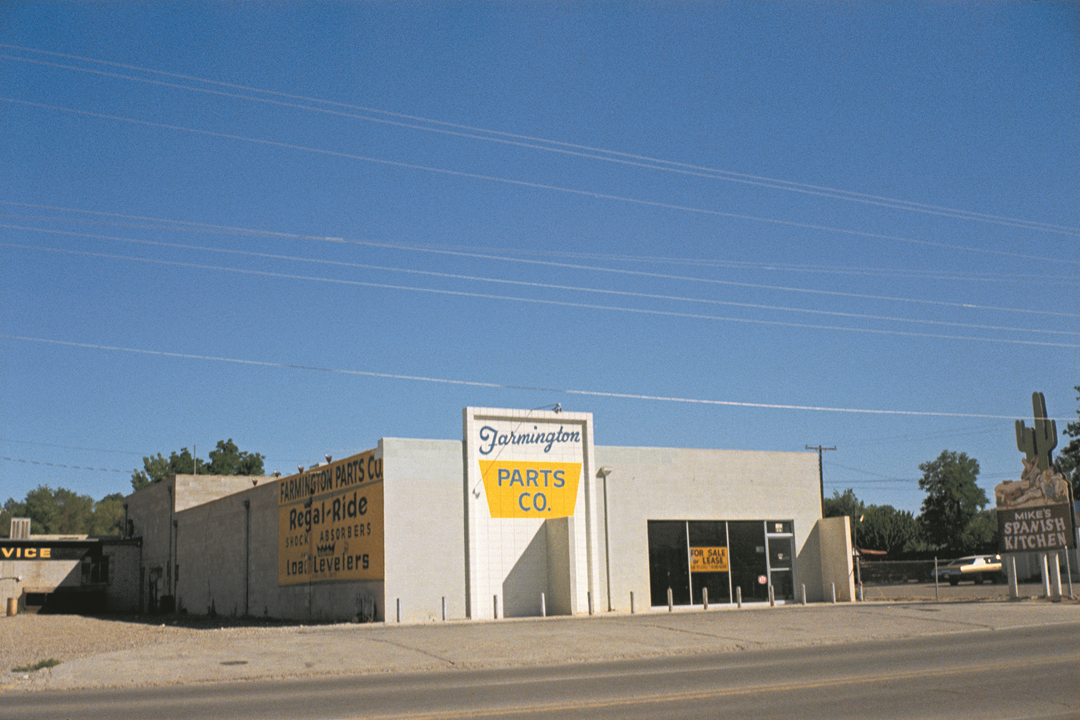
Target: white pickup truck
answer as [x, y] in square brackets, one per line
[979, 568]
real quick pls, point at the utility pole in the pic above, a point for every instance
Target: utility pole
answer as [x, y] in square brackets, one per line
[821, 473]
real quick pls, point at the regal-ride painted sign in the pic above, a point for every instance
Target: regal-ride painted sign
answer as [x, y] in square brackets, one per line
[330, 522]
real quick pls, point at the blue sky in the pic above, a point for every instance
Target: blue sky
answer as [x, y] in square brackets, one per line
[306, 227]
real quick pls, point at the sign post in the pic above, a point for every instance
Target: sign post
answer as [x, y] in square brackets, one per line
[1035, 513]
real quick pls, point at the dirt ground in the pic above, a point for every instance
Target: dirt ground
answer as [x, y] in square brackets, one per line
[27, 639]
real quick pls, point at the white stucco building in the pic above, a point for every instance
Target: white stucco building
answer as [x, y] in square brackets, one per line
[523, 516]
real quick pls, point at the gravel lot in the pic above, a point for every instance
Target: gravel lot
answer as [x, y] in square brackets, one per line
[28, 639]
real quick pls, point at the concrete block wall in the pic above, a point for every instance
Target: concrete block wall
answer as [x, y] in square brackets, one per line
[692, 484]
[210, 557]
[39, 575]
[837, 564]
[122, 595]
[152, 510]
[192, 490]
[264, 599]
[149, 512]
[228, 563]
[425, 528]
[508, 557]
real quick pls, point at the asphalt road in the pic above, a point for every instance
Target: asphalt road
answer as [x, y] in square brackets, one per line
[1028, 672]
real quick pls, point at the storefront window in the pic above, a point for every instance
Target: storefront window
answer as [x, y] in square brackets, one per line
[669, 564]
[709, 561]
[726, 558]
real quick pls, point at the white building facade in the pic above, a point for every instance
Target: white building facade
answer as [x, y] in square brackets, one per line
[524, 516]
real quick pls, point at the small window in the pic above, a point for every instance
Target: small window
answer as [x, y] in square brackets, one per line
[95, 570]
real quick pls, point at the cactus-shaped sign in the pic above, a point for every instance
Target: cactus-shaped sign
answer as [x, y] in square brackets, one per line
[1035, 513]
[1038, 441]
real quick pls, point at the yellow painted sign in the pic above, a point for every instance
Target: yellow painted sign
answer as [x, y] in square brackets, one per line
[330, 522]
[708, 559]
[29, 553]
[530, 489]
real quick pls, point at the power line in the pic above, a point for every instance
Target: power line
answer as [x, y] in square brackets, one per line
[547, 144]
[71, 467]
[520, 283]
[538, 301]
[935, 275]
[500, 386]
[536, 185]
[548, 263]
[70, 447]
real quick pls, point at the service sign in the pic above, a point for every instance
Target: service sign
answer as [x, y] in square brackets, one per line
[330, 522]
[33, 550]
[530, 469]
[708, 559]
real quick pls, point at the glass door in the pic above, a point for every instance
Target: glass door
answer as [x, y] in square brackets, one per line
[781, 542]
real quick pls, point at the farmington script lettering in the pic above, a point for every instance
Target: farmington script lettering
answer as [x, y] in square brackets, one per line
[492, 438]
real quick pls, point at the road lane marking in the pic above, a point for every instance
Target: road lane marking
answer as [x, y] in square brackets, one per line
[660, 698]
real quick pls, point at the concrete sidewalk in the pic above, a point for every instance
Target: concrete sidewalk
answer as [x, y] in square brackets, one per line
[232, 654]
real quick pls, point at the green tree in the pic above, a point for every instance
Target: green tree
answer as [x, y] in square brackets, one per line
[157, 468]
[1067, 461]
[108, 516]
[228, 459]
[846, 504]
[953, 500]
[64, 512]
[981, 534]
[53, 512]
[883, 527]
[12, 509]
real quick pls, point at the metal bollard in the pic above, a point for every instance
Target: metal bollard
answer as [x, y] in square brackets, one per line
[705, 597]
[399, 609]
[833, 593]
[937, 598]
[590, 603]
[495, 604]
[670, 603]
[543, 605]
[444, 608]
[631, 602]
[804, 594]
[738, 595]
